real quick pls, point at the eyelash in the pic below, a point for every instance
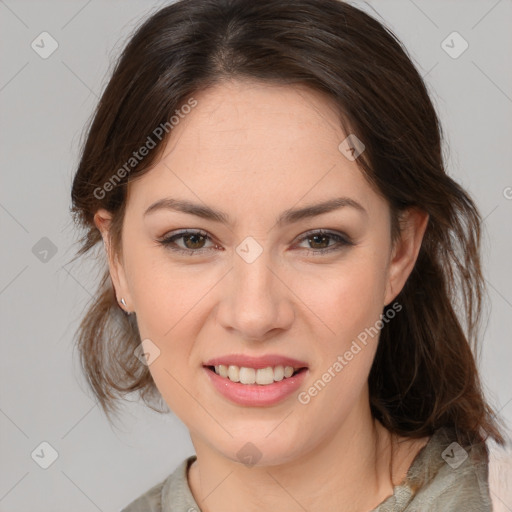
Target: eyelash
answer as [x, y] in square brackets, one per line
[342, 241]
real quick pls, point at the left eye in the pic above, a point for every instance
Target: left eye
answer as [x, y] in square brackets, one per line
[194, 242]
[317, 238]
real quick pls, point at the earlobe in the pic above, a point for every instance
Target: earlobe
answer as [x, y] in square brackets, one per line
[405, 252]
[102, 220]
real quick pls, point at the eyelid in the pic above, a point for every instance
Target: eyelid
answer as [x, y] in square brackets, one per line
[321, 231]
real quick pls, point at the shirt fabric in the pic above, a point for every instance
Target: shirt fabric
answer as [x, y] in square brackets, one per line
[443, 477]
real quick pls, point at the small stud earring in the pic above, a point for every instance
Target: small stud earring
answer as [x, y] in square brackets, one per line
[123, 302]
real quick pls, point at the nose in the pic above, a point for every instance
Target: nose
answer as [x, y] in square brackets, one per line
[256, 301]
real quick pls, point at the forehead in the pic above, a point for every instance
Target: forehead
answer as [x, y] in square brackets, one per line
[244, 115]
[248, 139]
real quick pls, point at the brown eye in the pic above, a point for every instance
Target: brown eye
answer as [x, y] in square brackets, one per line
[193, 242]
[320, 242]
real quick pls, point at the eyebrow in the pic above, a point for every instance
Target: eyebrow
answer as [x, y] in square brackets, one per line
[287, 217]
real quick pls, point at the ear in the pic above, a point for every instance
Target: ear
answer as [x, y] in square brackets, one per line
[405, 251]
[102, 220]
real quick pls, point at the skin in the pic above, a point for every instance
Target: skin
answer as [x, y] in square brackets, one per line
[254, 150]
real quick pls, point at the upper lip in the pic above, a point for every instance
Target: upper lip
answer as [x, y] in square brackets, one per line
[255, 362]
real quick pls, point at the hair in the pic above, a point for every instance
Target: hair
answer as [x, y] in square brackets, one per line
[424, 375]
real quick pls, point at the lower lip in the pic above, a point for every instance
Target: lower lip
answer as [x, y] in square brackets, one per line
[255, 395]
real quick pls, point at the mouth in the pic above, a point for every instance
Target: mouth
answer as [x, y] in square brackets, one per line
[259, 376]
[256, 387]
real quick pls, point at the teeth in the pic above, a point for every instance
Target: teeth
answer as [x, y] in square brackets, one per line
[247, 375]
[262, 376]
[278, 373]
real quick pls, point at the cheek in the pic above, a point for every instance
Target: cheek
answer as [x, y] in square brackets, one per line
[349, 302]
[171, 313]
[346, 298]
[165, 294]
[350, 305]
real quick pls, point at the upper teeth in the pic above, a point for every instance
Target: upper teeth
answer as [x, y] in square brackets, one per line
[246, 375]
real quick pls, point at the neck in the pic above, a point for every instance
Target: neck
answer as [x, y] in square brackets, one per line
[349, 471]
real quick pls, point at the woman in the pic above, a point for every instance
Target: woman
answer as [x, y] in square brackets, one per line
[286, 261]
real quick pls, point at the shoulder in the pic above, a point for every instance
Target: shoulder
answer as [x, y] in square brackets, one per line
[444, 477]
[150, 501]
[450, 477]
[500, 477]
[165, 493]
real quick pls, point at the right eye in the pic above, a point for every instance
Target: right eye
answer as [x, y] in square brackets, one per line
[192, 240]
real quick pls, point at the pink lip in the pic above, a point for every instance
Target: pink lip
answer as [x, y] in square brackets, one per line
[256, 362]
[255, 395]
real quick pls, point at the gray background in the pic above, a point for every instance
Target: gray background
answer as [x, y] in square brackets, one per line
[44, 106]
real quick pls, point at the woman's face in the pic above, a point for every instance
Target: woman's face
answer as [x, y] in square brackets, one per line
[257, 286]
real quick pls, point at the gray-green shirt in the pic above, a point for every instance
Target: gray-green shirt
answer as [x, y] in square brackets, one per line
[443, 477]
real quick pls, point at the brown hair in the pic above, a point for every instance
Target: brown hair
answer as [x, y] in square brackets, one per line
[424, 375]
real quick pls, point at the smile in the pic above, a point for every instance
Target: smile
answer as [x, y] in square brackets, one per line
[240, 384]
[260, 376]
